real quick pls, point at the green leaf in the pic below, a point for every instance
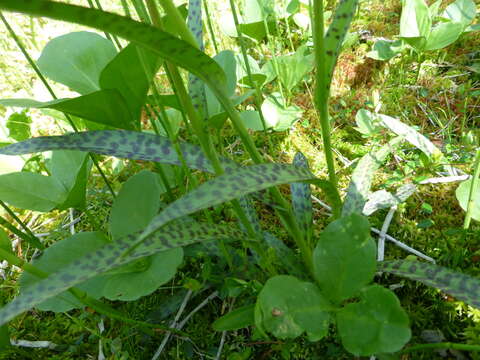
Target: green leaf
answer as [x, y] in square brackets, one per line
[460, 11]
[18, 125]
[5, 242]
[76, 60]
[362, 177]
[165, 45]
[104, 107]
[382, 199]
[233, 185]
[376, 324]
[135, 205]
[463, 194]
[443, 35]
[385, 50]
[237, 319]
[287, 307]
[336, 34]
[108, 257]
[277, 114]
[122, 144]
[31, 191]
[344, 258]
[4, 338]
[301, 200]
[58, 256]
[130, 73]
[291, 69]
[461, 286]
[71, 169]
[415, 23]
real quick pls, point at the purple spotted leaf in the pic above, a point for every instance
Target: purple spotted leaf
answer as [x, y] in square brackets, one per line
[122, 144]
[301, 200]
[235, 184]
[107, 257]
[461, 286]
[164, 44]
[336, 34]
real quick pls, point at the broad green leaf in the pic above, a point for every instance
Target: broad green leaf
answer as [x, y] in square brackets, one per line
[336, 34]
[287, 307]
[460, 11]
[301, 200]
[461, 286]
[385, 50]
[130, 73]
[344, 258]
[104, 107]
[463, 193]
[58, 256]
[291, 69]
[415, 23]
[362, 177]
[135, 205]
[242, 74]
[76, 60]
[443, 35]
[247, 206]
[252, 120]
[71, 169]
[32, 191]
[237, 319]
[108, 257]
[165, 45]
[122, 144]
[376, 324]
[235, 184]
[278, 115]
[366, 123]
[18, 125]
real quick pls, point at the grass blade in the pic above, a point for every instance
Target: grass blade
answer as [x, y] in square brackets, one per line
[461, 286]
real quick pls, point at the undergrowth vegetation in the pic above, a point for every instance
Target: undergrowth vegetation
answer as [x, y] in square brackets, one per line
[240, 180]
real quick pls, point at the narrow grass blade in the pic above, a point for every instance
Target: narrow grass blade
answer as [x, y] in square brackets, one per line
[108, 257]
[336, 34]
[122, 144]
[461, 286]
[235, 184]
[165, 45]
[301, 199]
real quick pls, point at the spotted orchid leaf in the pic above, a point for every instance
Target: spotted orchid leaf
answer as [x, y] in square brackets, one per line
[301, 199]
[461, 286]
[235, 184]
[107, 257]
[336, 34]
[122, 144]
[165, 45]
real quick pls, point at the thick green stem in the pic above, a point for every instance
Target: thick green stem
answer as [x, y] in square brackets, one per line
[322, 89]
[473, 191]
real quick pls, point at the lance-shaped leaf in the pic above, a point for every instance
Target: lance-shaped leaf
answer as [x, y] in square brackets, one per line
[122, 144]
[108, 257]
[246, 204]
[301, 199]
[359, 187]
[382, 199]
[461, 286]
[336, 34]
[165, 45]
[104, 107]
[239, 182]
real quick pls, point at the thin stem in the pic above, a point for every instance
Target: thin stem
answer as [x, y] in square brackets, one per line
[210, 27]
[52, 93]
[322, 87]
[473, 191]
[33, 239]
[29, 238]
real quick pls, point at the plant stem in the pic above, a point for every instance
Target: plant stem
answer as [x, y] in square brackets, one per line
[33, 240]
[322, 88]
[473, 191]
[210, 27]
[52, 93]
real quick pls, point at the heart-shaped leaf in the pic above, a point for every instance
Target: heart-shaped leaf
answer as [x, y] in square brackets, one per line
[463, 196]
